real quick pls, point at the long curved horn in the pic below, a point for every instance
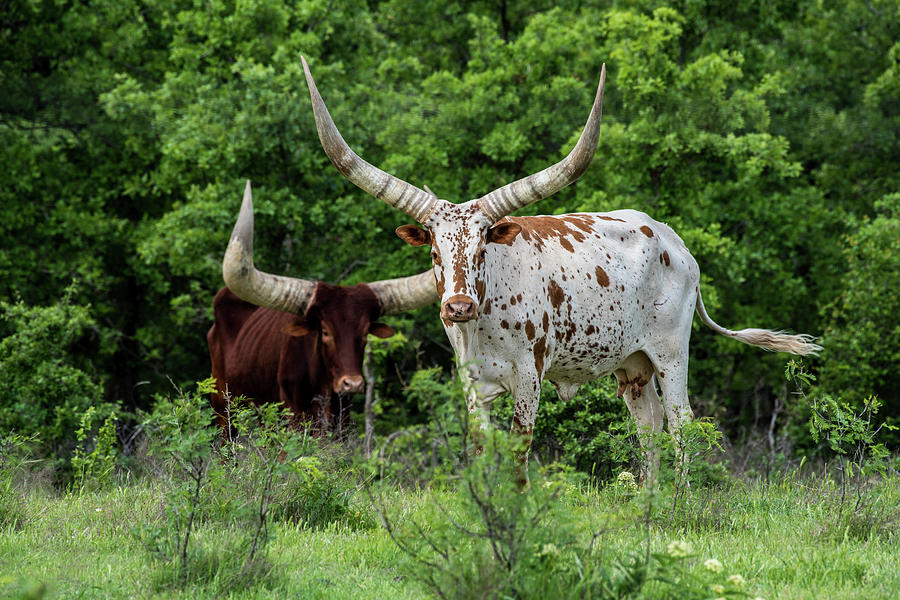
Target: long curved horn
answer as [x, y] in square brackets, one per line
[272, 291]
[515, 195]
[417, 203]
[406, 293]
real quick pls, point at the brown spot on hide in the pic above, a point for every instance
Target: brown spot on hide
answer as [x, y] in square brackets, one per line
[647, 231]
[542, 229]
[581, 221]
[546, 321]
[610, 219]
[557, 295]
[539, 348]
[665, 257]
[460, 265]
[602, 277]
[512, 300]
[590, 329]
[439, 282]
[504, 324]
[487, 307]
[529, 330]
[479, 288]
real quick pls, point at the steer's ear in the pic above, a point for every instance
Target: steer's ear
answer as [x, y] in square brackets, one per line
[503, 233]
[381, 330]
[412, 235]
[297, 329]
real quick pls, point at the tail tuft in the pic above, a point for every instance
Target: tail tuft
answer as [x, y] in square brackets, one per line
[777, 341]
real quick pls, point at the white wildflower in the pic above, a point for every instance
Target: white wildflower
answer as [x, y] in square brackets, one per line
[549, 550]
[736, 580]
[717, 589]
[626, 481]
[713, 565]
[679, 549]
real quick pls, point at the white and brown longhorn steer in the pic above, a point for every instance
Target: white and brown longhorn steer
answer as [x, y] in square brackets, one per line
[567, 298]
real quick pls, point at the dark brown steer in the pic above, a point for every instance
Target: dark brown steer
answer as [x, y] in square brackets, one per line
[298, 342]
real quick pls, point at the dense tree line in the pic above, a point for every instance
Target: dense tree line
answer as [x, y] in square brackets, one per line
[764, 131]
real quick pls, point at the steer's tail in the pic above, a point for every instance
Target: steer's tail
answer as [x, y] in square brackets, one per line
[764, 338]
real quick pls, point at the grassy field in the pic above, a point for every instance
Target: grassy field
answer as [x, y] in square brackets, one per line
[789, 539]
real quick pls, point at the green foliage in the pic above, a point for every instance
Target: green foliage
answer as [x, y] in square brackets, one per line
[432, 451]
[265, 472]
[592, 433]
[502, 541]
[700, 445]
[305, 480]
[849, 434]
[861, 342]
[763, 132]
[499, 541]
[15, 452]
[22, 589]
[95, 468]
[182, 427]
[49, 380]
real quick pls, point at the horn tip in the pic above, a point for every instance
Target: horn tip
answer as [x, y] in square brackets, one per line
[306, 71]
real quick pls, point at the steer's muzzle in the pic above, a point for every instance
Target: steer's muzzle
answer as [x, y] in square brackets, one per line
[349, 384]
[459, 309]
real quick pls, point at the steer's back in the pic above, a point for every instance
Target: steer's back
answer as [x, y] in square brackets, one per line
[245, 344]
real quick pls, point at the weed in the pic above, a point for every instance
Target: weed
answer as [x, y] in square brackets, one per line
[15, 458]
[95, 468]
[849, 433]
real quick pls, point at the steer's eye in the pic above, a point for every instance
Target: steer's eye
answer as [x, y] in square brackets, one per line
[482, 253]
[435, 257]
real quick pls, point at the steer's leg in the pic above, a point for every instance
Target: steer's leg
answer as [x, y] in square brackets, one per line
[644, 405]
[672, 371]
[479, 416]
[637, 384]
[527, 396]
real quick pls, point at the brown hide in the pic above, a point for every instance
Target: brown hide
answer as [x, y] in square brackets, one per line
[312, 370]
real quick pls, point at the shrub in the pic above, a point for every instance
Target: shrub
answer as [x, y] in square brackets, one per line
[593, 432]
[95, 457]
[48, 379]
[490, 538]
[265, 470]
[862, 341]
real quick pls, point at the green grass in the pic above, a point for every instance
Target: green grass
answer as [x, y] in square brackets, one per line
[785, 539]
